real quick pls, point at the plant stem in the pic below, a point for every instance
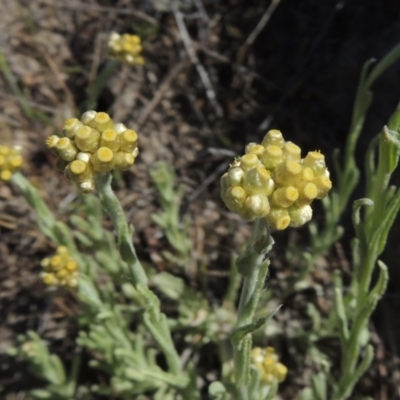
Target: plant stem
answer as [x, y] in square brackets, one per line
[113, 207]
[252, 266]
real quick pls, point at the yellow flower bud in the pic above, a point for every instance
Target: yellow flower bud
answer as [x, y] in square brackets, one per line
[280, 372]
[271, 157]
[235, 176]
[10, 161]
[72, 283]
[56, 263]
[255, 206]
[87, 186]
[254, 148]
[307, 193]
[78, 171]
[120, 128]
[71, 265]
[249, 161]
[271, 370]
[103, 160]
[51, 143]
[273, 137]
[234, 198]
[110, 139]
[258, 180]
[285, 196]
[278, 218]
[62, 274]
[224, 181]
[49, 279]
[5, 151]
[88, 116]
[291, 152]
[128, 140]
[324, 185]
[316, 161]
[287, 173]
[101, 122]
[6, 175]
[71, 126]
[60, 269]
[62, 251]
[299, 215]
[66, 149]
[87, 139]
[123, 160]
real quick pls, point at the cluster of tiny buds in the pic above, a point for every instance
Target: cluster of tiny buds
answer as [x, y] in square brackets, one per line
[60, 270]
[266, 360]
[10, 161]
[125, 48]
[272, 180]
[92, 145]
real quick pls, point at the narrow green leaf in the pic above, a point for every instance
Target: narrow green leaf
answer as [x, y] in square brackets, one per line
[318, 384]
[357, 218]
[239, 333]
[387, 61]
[383, 280]
[394, 120]
[379, 238]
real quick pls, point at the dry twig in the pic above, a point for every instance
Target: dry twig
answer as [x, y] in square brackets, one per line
[172, 74]
[205, 79]
[256, 31]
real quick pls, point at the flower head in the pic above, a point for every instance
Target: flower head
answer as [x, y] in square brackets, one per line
[60, 270]
[272, 181]
[92, 145]
[266, 360]
[125, 48]
[10, 161]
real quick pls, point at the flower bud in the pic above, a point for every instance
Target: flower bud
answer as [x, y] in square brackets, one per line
[299, 215]
[287, 173]
[51, 143]
[258, 180]
[316, 161]
[110, 139]
[128, 140]
[66, 149]
[249, 161]
[324, 185]
[87, 139]
[234, 198]
[307, 193]
[271, 157]
[103, 160]
[71, 126]
[87, 186]
[278, 218]
[255, 206]
[291, 152]
[88, 116]
[254, 148]
[285, 196]
[78, 171]
[273, 137]
[123, 160]
[235, 176]
[101, 122]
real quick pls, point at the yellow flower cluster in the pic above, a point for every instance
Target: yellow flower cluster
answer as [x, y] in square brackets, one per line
[92, 145]
[60, 270]
[125, 48]
[10, 161]
[266, 360]
[272, 180]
